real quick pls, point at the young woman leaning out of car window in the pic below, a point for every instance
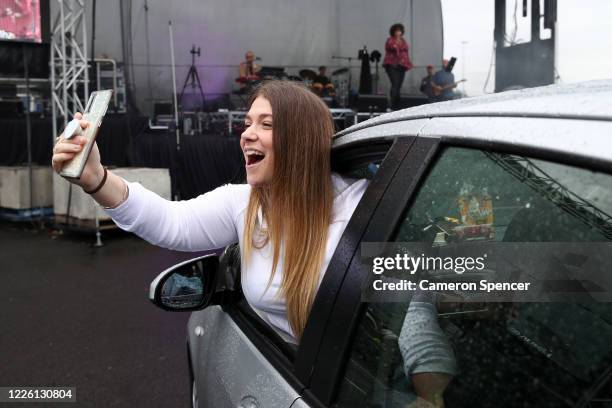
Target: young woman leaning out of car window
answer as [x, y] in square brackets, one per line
[288, 218]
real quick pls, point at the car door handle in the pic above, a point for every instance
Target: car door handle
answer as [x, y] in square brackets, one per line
[248, 402]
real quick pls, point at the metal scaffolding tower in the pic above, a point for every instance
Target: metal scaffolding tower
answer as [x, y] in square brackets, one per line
[533, 176]
[69, 63]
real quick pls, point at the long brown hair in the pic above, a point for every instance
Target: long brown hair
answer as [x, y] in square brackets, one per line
[297, 204]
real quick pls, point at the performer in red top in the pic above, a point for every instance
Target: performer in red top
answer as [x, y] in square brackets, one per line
[396, 61]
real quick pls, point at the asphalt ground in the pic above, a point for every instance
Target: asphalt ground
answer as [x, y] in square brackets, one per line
[77, 316]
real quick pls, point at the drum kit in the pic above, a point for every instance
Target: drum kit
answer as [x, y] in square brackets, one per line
[335, 93]
[337, 90]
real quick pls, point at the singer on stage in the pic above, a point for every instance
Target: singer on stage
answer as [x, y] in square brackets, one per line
[396, 61]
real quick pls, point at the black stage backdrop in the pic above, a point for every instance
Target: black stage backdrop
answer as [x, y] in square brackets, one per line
[14, 143]
[203, 163]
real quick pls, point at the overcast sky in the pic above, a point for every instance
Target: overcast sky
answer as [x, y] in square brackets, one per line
[584, 39]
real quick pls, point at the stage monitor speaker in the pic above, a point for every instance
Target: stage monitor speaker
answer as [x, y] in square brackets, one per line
[371, 103]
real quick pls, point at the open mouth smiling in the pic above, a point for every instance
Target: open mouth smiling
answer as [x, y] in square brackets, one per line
[253, 156]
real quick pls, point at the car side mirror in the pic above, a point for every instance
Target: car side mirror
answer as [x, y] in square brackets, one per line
[188, 286]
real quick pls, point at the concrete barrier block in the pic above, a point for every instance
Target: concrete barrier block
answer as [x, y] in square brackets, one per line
[15, 187]
[82, 206]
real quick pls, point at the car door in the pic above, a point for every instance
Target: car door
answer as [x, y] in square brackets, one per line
[239, 361]
[506, 353]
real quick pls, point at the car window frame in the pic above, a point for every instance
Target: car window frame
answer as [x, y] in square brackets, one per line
[347, 246]
[424, 153]
[335, 343]
[295, 366]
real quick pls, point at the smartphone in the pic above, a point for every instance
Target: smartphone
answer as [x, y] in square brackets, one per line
[94, 113]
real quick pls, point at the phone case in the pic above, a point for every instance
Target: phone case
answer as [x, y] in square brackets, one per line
[94, 113]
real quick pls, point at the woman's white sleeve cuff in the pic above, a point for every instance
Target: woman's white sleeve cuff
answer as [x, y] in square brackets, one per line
[126, 213]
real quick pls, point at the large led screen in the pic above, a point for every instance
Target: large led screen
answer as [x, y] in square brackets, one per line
[20, 20]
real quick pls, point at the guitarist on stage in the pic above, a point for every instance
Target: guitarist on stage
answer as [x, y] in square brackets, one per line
[443, 82]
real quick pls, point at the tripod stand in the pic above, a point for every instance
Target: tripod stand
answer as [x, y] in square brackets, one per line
[192, 77]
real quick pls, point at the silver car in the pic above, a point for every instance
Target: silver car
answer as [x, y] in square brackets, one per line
[527, 166]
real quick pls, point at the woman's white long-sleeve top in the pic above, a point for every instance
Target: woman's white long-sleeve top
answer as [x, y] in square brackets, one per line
[217, 219]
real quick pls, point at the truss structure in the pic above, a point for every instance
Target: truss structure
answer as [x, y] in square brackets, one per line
[69, 63]
[530, 174]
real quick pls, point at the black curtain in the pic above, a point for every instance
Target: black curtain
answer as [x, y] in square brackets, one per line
[14, 145]
[204, 162]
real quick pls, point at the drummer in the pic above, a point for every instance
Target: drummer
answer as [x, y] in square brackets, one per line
[248, 70]
[321, 83]
[248, 67]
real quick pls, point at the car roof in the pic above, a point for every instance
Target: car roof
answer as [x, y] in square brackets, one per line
[584, 100]
[493, 117]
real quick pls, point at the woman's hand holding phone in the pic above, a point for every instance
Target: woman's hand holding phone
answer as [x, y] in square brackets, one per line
[66, 149]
